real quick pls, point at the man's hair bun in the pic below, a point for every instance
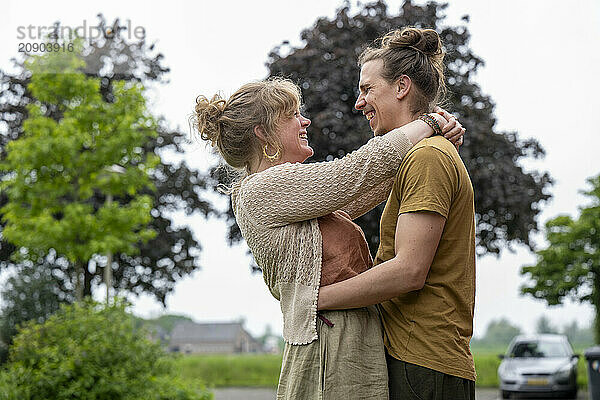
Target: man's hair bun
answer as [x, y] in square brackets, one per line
[427, 41]
[417, 53]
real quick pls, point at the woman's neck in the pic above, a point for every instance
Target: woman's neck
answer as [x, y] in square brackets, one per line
[263, 165]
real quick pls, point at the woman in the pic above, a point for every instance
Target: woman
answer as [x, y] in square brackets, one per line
[297, 220]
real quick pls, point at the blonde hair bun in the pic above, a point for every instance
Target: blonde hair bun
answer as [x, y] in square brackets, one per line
[208, 115]
[230, 124]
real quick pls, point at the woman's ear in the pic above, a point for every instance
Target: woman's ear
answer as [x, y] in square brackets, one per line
[260, 133]
[403, 85]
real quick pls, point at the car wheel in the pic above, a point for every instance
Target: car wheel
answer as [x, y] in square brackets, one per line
[505, 394]
[572, 394]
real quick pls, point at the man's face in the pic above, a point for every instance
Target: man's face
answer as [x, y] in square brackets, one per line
[378, 98]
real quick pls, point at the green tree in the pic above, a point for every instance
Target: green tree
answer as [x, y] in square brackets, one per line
[90, 352]
[166, 322]
[53, 170]
[543, 325]
[160, 328]
[498, 333]
[174, 252]
[507, 199]
[569, 267]
[30, 293]
[579, 337]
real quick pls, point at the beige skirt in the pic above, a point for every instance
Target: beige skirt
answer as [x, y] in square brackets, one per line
[346, 362]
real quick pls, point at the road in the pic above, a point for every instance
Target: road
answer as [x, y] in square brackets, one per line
[269, 394]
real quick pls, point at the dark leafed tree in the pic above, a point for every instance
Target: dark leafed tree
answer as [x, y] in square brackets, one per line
[569, 268]
[173, 252]
[507, 198]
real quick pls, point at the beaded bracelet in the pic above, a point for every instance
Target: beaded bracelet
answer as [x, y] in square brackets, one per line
[432, 122]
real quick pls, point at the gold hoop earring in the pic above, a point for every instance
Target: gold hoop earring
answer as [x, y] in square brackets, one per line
[269, 157]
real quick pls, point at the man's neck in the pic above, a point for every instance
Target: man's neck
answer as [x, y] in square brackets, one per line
[405, 117]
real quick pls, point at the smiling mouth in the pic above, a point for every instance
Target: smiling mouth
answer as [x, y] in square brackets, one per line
[304, 136]
[370, 115]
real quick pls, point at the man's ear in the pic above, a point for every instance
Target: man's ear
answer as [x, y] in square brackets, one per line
[260, 133]
[403, 85]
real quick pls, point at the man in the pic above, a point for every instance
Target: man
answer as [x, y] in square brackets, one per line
[425, 265]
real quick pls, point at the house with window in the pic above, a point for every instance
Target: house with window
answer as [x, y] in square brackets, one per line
[193, 338]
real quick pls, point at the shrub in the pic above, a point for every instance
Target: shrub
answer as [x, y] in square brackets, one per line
[88, 351]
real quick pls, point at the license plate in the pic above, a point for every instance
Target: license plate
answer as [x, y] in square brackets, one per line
[537, 382]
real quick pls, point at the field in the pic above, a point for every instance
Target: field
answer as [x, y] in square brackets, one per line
[262, 370]
[251, 370]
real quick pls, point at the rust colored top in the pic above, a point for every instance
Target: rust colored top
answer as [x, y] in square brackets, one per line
[345, 249]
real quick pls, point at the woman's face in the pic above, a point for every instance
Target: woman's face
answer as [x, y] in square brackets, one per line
[294, 139]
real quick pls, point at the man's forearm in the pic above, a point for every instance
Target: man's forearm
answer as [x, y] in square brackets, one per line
[383, 282]
[416, 240]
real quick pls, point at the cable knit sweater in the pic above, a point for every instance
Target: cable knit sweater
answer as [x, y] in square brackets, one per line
[277, 211]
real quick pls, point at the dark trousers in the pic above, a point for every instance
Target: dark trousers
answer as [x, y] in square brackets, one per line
[413, 382]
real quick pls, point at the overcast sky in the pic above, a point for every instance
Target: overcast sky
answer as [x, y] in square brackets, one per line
[541, 70]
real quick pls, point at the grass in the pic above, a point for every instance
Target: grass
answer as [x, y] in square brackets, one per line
[486, 366]
[262, 370]
[252, 370]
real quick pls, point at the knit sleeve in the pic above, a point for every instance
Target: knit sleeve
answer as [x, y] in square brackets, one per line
[370, 200]
[289, 193]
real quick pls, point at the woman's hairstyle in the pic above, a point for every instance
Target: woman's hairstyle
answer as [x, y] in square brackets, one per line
[417, 53]
[229, 124]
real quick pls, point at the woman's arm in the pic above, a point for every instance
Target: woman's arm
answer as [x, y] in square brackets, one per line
[290, 193]
[453, 131]
[369, 200]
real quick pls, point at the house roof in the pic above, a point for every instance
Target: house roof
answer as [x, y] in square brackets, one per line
[213, 332]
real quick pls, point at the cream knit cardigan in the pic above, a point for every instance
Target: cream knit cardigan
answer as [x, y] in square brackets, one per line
[277, 211]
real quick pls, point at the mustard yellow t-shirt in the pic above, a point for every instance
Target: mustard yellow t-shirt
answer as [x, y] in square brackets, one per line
[432, 327]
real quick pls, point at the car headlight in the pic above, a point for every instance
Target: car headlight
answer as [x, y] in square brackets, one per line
[507, 374]
[563, 374]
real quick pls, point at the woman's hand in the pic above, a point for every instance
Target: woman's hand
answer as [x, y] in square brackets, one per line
[418, 129]
[452, 130]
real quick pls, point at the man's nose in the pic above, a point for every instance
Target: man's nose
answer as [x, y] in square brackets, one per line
[360, 103]
[306, 121]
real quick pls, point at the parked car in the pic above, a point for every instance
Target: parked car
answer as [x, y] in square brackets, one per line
[540, 365]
